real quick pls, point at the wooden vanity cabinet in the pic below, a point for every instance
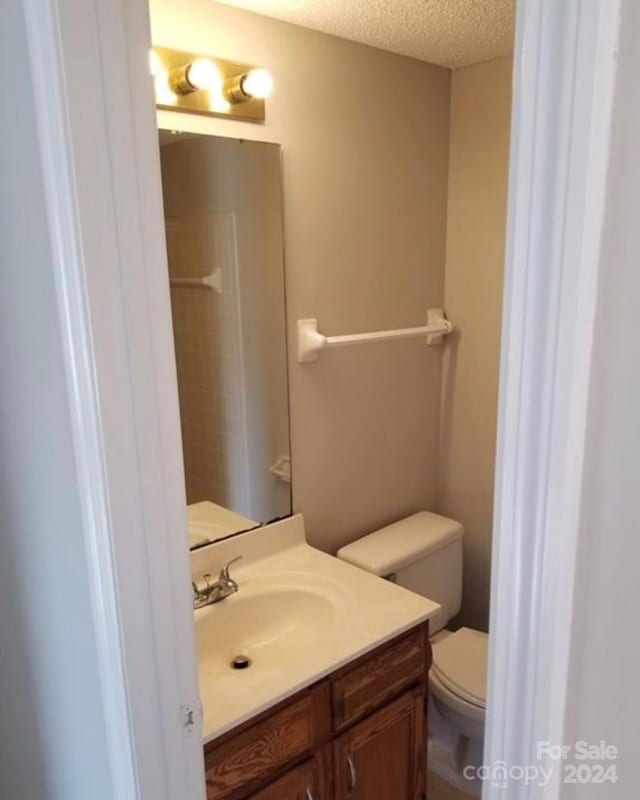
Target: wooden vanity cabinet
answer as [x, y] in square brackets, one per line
[357, 735]
[305, 782]
[383, 757]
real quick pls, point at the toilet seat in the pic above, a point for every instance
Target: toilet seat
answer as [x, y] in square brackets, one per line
[460, 668]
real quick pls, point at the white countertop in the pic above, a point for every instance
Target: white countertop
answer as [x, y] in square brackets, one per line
[208, 522]
[299, 615]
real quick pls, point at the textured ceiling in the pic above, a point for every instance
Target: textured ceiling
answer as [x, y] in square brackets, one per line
[452, 33]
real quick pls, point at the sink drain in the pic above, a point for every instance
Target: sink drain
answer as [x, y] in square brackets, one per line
[240, 662]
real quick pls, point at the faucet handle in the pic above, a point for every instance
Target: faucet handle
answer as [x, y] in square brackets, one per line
[224, 572]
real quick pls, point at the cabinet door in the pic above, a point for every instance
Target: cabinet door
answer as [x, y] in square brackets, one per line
[383, 757]
[305, 782]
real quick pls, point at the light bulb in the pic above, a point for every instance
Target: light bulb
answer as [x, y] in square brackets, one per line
[257, 83]
[203, 74]
[155, 65]
[164, 94]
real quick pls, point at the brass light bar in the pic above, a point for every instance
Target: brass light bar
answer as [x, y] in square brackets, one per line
[201, 84]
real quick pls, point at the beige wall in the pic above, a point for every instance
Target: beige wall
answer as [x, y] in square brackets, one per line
[365, 148]
[476, 224]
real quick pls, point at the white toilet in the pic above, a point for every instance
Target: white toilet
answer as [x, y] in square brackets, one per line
[423, 553]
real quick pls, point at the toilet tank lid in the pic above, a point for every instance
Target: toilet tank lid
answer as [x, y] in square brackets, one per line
[391, 548]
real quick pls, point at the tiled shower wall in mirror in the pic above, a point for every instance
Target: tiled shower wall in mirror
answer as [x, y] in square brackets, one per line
[208, 341]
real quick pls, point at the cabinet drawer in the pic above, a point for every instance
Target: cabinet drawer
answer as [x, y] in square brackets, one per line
[379, 677]
[248, 758]
[306, 782]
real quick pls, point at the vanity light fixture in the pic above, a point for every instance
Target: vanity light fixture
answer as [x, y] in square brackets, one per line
[205, 85]
[201, 73]
[257, 83]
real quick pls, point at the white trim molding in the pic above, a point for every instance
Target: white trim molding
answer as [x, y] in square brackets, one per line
[101, 169]
[97, 134]
[563, 101]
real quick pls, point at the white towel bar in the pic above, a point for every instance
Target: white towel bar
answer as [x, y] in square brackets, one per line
[311, 342]
[211, 281]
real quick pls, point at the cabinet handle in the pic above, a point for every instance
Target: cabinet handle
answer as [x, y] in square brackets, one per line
[352, 778]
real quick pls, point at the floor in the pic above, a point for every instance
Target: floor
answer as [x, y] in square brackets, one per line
[437, 789]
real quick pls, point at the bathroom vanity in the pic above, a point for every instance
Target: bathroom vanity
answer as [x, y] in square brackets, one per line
[332, 704]
[359, 733]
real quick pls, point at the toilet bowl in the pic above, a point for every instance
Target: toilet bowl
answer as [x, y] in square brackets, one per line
[423, 553]
[457, 697]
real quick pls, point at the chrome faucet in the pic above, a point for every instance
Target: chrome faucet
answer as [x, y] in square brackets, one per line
[215, 592]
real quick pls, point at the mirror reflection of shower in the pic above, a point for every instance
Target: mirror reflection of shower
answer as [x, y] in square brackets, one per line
[223, 220]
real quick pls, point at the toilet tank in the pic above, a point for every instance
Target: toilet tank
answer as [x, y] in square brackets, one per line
[422, 553]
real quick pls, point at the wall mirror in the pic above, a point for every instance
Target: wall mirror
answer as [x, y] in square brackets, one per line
[223, 218]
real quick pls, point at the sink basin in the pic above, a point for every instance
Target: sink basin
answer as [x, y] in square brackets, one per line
[268, 626]
[299, 615]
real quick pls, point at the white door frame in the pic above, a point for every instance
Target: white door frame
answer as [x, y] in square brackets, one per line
[97, 134]
[562, 112]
